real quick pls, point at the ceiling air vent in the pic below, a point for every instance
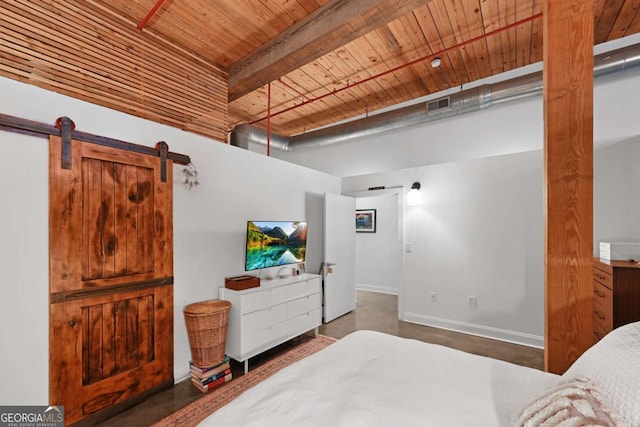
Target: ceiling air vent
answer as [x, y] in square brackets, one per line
[439, 104]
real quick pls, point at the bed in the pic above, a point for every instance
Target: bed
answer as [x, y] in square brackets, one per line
[373, 379]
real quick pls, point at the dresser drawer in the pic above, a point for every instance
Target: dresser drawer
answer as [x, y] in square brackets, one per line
[603, 277]
[602, 309]
[602, 316]
[266, 317]
[603, 321]
[304, 322]
[598, 334]
[303, 305]
[304, 288]
[603, 297]
[598, 330]
[263, 336]
[264, 298]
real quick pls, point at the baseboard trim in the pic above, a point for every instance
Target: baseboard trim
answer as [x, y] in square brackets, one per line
[378, 289]
[478, 330]
[181, 374]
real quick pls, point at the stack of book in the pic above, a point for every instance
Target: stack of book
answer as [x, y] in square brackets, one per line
[205, 379]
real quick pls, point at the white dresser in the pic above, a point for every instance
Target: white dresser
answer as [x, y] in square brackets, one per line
[276, 311]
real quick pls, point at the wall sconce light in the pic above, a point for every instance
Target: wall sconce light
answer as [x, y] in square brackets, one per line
[413, 196]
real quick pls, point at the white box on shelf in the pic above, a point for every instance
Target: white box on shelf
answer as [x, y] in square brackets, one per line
[620, 251]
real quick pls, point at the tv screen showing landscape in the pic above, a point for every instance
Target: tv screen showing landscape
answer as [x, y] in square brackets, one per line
[274, 243]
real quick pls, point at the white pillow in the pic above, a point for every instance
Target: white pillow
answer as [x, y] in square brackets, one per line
[613, 364]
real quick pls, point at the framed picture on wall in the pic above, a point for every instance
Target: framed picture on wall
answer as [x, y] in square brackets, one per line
[365, 220]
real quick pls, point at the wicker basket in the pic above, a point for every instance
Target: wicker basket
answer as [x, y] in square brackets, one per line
[206, 323]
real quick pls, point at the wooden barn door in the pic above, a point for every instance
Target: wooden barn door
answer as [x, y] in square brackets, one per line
[110, 276]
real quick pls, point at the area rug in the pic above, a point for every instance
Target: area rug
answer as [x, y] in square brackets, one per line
[197, 411]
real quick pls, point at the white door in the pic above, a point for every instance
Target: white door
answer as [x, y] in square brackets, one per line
[339, 256]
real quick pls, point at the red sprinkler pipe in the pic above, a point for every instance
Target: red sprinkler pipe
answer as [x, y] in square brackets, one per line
[285, 84]
[152, 12]
[408, 64]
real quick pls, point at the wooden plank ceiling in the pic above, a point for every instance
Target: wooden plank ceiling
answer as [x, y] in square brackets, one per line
[316, 53]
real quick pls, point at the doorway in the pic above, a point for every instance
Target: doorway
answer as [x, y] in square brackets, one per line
[380, 254]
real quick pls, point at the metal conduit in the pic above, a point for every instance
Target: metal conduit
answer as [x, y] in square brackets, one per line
[605, 65]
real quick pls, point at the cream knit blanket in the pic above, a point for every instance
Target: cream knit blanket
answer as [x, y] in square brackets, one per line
[569, 404]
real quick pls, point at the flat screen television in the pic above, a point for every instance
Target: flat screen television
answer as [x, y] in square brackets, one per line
[275, 243]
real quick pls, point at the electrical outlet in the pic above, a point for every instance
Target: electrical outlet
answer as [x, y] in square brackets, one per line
[433, 296]
[472, 302]
[407, 247]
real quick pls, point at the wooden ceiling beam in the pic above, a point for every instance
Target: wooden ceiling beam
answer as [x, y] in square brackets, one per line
[335, 24]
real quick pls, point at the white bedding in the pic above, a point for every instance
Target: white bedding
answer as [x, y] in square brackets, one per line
[373, 379]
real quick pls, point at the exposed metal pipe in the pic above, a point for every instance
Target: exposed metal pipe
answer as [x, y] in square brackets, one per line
[149, 15]
[440, 53]
[269, 119]
[245, 133]
[610, 64]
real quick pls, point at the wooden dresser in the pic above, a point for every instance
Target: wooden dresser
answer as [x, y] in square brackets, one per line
[616, 295]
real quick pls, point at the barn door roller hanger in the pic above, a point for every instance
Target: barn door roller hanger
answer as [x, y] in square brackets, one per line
[65, 129]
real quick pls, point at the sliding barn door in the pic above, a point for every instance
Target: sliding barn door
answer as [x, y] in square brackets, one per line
[110, 276]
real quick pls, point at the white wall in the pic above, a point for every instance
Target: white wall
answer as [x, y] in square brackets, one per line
[616, 192]
[377, 266]
[209, 222]
[24, 258]
[479, 232]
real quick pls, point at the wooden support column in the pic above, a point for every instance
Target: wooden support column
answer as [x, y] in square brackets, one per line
[568, 165]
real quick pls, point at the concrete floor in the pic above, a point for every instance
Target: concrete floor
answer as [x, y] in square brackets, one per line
[376, 312]
[379, 312]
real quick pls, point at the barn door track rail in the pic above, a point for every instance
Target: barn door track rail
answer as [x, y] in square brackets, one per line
[65, 129]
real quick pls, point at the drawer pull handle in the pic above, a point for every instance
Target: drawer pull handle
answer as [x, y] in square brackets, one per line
[597, 313]
[598, 293]
[597, 334]
[600, 277]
